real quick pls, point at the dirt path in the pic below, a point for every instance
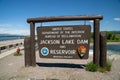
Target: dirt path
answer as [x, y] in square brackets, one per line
[12, 68]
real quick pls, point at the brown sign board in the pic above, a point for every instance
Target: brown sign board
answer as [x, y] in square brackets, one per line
[64, 42]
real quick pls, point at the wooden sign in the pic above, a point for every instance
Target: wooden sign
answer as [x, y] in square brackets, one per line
[64, 42]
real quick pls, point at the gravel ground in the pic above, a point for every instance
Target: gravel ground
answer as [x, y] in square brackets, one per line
[12, 68]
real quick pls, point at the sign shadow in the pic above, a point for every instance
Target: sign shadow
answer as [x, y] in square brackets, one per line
[61, 65]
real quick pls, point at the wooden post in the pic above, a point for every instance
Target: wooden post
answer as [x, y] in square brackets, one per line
[32, 40]
[0, 50]
[27, 52]
[96, 52]
[103, 49]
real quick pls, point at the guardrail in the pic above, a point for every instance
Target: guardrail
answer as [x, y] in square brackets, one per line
[10, 46]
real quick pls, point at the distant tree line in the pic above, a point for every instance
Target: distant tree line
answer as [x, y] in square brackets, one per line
[111, 36]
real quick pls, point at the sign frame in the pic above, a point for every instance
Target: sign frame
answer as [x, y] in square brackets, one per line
[31, 59]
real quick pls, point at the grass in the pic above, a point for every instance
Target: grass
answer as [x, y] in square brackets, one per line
[108, 65]
[93, 67]
[51, 79]
[16, 54]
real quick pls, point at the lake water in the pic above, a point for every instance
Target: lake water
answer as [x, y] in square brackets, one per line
[111, 49]
[8, 38]
[4, 37]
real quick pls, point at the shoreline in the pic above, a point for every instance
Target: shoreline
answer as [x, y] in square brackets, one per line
[118, 43]
[9, 42]
[108, 43]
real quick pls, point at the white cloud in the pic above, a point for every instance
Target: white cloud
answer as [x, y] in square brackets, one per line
[91, 21]
[5, 25]
[17, 29]
[117, 19]
[14, 31]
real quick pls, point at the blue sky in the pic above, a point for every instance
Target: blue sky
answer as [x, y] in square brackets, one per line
[14, 13]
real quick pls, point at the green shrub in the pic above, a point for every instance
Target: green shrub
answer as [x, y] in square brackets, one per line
[91, 67]
[106, 68]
